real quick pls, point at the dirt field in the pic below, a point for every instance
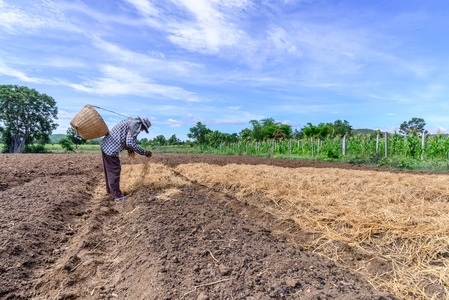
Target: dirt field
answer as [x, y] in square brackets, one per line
[63, 238]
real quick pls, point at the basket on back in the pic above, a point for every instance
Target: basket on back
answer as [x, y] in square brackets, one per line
[88, 124]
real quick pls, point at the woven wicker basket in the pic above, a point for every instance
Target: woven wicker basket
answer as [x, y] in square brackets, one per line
[88, 124]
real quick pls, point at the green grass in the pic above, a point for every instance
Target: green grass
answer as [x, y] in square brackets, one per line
[56, 148]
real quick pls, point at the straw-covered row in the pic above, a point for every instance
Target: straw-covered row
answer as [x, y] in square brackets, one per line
[397, 224]
[150, 175]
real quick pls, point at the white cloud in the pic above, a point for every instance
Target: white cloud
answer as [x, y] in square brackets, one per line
[205, 26]
[156, 65]
[11, 72]
[235, 107]
[65, 116]
[171, 123]
[436, 130]
[63, 63]
[225, 122]
[209, 32]
[120, 81]
[389, 129]
[430, 129]
[145, 7]
[288, 122]
[38, 15]
[192, 120]
[63, 121]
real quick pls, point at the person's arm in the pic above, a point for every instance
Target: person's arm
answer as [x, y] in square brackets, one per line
[131, 144]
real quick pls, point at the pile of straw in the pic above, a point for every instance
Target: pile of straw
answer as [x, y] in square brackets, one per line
[400, 219]
[148, 175]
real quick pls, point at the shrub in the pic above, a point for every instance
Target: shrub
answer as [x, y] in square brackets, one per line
[67, 145]
[332, 154]
[356, 160]
[403, 163]
[34, 148]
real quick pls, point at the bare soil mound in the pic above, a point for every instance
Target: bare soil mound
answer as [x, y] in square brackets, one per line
[61, 239]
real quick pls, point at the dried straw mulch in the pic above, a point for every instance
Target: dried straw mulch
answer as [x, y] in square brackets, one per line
[400, 219]
[150, 175]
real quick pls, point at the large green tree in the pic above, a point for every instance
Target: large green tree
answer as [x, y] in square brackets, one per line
[173, 140]
[199, 133]
[415, 125]
[245, 134]
[215, 137]
[320, 131]
[27, 115]
[268, 128]
[1, 135]
[160, 140]
[341, 128]
[232, 138]
[257, 132]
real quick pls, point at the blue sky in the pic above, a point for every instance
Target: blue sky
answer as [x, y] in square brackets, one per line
[226, 62]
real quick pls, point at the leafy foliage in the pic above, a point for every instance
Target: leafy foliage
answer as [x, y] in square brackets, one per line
[7, 140]
[297, 134]
[266, 129]
[321, 131]
[341, 128]
[27, 115]
[74, 138]
[67, 144]
[199, 133]
[173, 140]
[34, 148]
[160, 140]
[336, 129]
[415, 125]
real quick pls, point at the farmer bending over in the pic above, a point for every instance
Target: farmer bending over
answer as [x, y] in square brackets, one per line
[122, 136]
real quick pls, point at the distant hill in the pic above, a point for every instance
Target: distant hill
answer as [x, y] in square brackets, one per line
[54, 138]
[363, 131]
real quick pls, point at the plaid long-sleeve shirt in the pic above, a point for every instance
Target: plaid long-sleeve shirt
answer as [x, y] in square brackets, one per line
[120, 138]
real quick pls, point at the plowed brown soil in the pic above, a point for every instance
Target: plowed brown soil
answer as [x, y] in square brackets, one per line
[61, 240]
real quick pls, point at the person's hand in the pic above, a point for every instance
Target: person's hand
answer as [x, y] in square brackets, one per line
[130, 151]
[148, 154]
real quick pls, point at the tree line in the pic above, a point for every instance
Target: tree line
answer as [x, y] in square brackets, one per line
[27, 118]
[269, 129]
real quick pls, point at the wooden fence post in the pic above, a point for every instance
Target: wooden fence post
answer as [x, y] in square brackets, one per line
[291, 147]
[246, 147]
[377, 144]
[313, 149]
[318, 147]
[274, 146]
[405, 145]
[344, 145]
[423, 143]
[386, 144]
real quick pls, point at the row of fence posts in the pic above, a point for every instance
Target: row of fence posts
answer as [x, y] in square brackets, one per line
[344, 143]
[423, 139]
